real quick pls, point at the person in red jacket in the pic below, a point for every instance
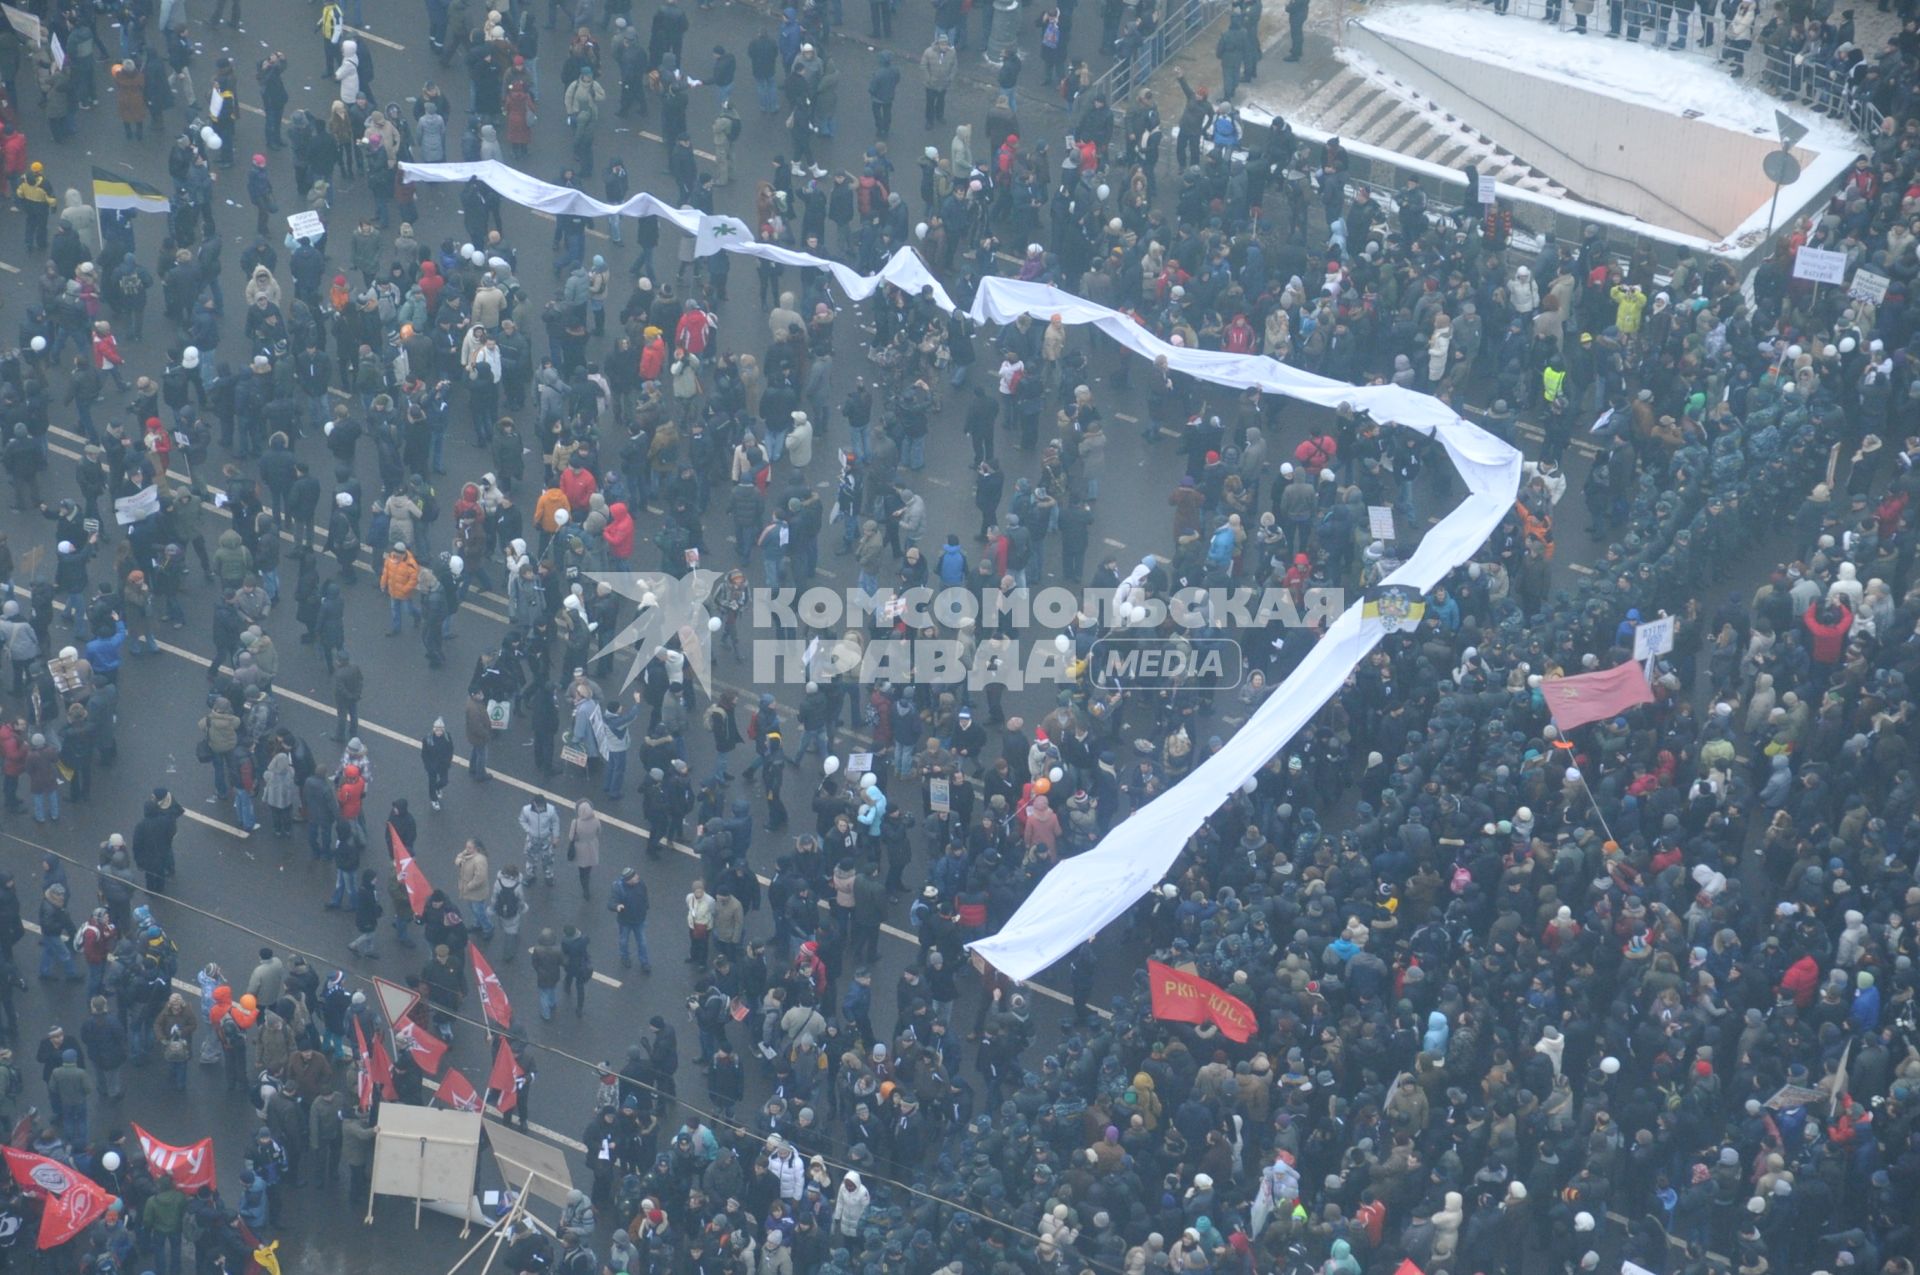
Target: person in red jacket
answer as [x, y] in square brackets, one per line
[351, 793]
[618, 533]
[578, 485]
[1800, 981]
[13, 762]
[1828, 623]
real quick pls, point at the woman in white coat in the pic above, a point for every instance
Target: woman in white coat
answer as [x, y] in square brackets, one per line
[800, 441]
[348, 72]
[1523, 294]
[1439, 346]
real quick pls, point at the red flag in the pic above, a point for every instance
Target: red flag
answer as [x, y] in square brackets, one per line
[418, 887]
[493, 997]
[363, 1083]
[381, 1068]
[457, 1091]
[1575, 701]
[504, 1083]
[1407, 1267]
[428, 1050]
[71, 1202]
[191, 1166]
[1187, 998]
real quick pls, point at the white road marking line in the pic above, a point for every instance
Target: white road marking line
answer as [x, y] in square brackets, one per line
[598, 977]
[211, 822]
[655, 137]
[9, 268]
[381, 40]
[538, 1130]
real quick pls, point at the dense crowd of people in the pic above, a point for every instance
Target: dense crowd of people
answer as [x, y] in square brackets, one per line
[1525, 1001]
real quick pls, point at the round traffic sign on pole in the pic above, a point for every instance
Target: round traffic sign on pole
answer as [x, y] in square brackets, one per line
[1781, 168]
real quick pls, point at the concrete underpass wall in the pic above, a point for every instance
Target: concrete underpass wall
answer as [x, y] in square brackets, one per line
[1651, 163]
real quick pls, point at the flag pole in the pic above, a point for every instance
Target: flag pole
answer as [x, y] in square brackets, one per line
[1560, 741]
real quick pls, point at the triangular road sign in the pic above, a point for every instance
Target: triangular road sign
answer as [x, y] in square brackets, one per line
[1791, 129]
[396, 1000]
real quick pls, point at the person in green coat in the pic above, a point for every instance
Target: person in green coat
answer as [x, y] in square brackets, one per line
[161, 1223]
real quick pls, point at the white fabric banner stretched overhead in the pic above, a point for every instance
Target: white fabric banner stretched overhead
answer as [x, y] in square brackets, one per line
[1081, 895]
[713, 234]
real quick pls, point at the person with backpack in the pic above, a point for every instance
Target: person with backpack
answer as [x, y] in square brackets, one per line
[509, 906]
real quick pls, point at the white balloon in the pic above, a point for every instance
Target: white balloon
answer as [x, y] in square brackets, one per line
[1103, 192]
[868, 780]
[920, 231]
[832, 765]
[715, 624]
[39, 345]
[1062, 643]
[1251, 786]
[110, 1161]
[1056, 775]
[1610, 1065]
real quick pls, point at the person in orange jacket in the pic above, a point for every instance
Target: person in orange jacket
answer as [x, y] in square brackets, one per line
[399, 580]
[553, 500]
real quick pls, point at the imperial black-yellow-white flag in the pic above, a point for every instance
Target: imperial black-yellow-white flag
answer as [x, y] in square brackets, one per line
[113, 192]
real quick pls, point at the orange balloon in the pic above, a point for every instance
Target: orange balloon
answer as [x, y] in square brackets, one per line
[1043, 786]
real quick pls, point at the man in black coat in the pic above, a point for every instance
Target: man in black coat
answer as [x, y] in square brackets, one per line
[153, 839]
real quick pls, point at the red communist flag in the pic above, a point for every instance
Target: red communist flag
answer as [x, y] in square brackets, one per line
[191, 1166]
[381, 1068]
[71, 1201]
[504, 1083]
[418, 887]
[457, 1091]
[493, 997]
[1179, 997]
[428, 1050]
[1575, 701]
[364, 1084]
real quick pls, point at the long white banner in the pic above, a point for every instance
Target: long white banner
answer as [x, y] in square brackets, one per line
[1081, 895]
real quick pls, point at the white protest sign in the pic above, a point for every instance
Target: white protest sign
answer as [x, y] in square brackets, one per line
[1489, 189]
[1654, 637]
[306, 225]
[1380, 521]
[25, 23]
[1868, 285]
[1817, 265]
[144, 503]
